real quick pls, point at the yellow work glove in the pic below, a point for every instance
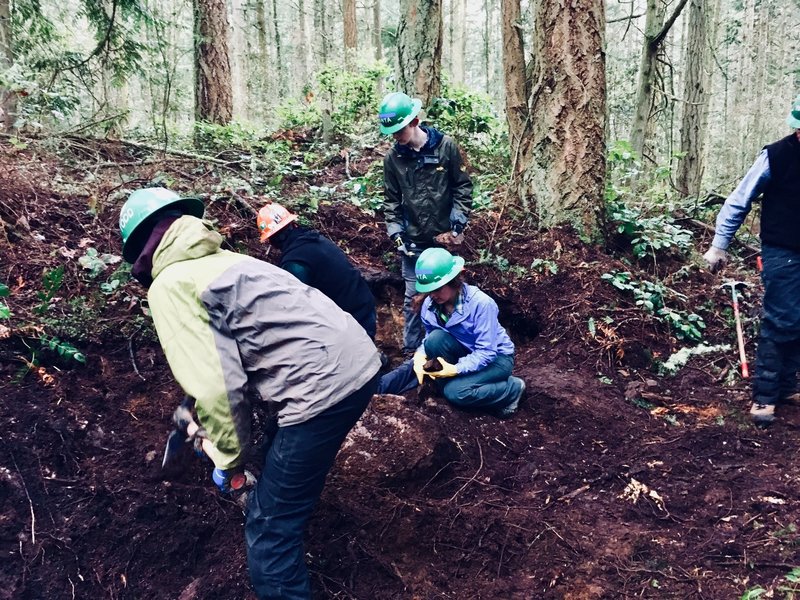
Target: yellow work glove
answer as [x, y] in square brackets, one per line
[448, 370]
[419, 363]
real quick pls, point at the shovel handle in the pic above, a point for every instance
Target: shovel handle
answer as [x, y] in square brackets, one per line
[740, 336]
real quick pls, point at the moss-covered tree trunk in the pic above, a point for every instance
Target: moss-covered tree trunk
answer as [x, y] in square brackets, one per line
[419, 48]
[560, 154]
[213, 101]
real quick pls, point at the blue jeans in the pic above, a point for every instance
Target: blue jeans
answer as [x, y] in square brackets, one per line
[413, 331]
[778, 352]
[487, 390]
[295, 468]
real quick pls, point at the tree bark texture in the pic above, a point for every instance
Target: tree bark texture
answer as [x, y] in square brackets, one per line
[321, 31]
[514, 73]
[377, 41]
[559, 170]
[419, 48]
[279, 58]
[213, 88]
[695, 97]
[8, 99]
[264, 58]
[459, 43]
[350, 32]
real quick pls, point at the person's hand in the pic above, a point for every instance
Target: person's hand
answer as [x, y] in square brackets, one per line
[232, 480]
[447, 370]
[400, 244]
[715, 258]
[450, 239]
[419, 365]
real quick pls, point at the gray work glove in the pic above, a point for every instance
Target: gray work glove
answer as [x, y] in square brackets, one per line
[400, 244]
[715, 258]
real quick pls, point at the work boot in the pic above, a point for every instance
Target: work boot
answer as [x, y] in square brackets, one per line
[510, 409]
[762, 414]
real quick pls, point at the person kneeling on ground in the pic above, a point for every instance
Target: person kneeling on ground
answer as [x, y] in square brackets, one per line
[474, 353]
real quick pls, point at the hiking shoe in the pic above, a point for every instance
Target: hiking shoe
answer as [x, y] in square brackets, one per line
[510, 409]
[792, 399]
[762, 414]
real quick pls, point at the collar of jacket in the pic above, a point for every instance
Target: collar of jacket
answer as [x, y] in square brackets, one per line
[186, 239]
[458, 310]
[435, 138]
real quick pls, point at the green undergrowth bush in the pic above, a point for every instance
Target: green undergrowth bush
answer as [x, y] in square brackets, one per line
[652, 298]
[640, 203]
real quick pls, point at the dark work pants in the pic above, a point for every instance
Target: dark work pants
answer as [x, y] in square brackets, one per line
[778, 352]
[413, 331]
[296, 465]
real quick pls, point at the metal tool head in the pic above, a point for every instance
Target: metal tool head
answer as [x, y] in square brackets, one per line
[175, 443]
[734, 285]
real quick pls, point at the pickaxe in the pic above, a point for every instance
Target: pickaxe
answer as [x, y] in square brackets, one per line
[739, 335]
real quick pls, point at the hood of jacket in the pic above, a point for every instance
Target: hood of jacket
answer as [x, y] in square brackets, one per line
[434, 139]
[186, 239]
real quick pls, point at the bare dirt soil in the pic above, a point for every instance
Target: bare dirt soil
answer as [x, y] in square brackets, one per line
[612, 481]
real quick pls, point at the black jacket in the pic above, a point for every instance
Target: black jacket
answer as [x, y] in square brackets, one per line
[318, 262]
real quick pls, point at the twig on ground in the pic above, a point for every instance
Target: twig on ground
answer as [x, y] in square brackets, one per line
[132, 352]
[471, 479]
[30, 502]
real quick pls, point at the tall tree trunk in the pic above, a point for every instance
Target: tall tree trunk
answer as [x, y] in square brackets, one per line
[350, 33]
[695, 97]
[8, 99]
[213, 91]
[459, 41]
[514, 72]
[654, 33]
[278, 51]
[264, 58]
[419, 48]
[377, 39]
[321, 30]
[301, 58]
[559, 170]
[487, 36]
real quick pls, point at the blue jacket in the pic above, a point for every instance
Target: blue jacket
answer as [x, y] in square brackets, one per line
[474, 324]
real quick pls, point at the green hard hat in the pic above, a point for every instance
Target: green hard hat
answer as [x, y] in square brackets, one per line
[397, 111]
[435, 267]
[136, 215]
[793, 120]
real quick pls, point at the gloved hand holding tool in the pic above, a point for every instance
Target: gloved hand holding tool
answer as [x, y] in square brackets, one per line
[447, 370]
[186, 430]
[400, 244]
[739, 335]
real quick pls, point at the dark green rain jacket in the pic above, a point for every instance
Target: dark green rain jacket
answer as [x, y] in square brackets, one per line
[427, 192]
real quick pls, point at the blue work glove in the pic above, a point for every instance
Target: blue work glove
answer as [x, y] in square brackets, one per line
[232, 480]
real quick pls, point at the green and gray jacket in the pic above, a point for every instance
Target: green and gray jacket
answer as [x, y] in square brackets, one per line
[427, 192]
[230, 324]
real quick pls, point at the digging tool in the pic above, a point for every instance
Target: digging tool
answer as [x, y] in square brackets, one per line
[739, 335]
[183, 420]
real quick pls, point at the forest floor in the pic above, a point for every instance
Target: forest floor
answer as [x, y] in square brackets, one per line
[614, 480]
